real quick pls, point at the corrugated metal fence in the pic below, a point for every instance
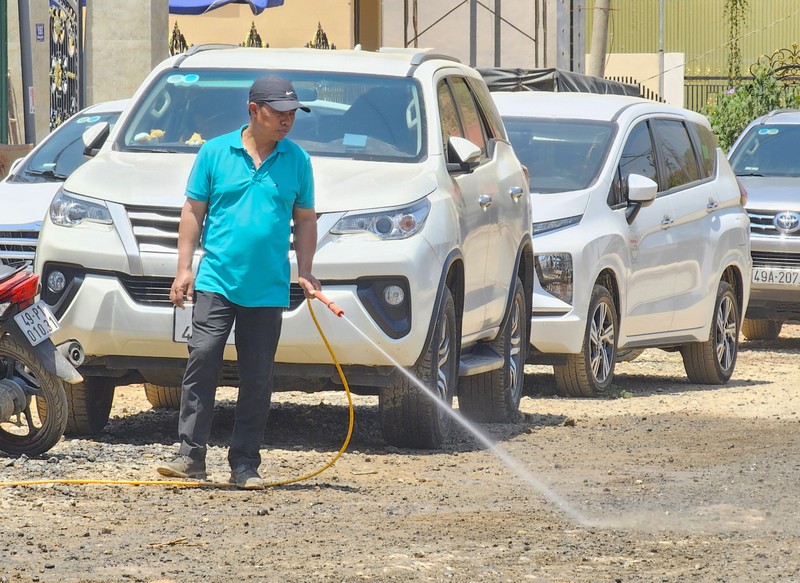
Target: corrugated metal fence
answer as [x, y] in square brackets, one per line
[698, 29]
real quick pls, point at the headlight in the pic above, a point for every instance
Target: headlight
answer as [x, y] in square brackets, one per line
[386, 224]
[555, 274]
[546, 226]
[68, 210]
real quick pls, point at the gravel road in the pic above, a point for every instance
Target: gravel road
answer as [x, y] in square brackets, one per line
[662, 480]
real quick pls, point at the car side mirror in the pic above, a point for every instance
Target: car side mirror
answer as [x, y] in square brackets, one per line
[95, 137]
[464, 156]
[641, 192]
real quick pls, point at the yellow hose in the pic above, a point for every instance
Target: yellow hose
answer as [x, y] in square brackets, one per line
[203, 484]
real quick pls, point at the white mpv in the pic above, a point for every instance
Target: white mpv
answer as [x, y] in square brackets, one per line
[424, 235]
[640, 236]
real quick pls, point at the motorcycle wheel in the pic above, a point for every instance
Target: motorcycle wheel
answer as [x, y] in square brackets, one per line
[42, 423]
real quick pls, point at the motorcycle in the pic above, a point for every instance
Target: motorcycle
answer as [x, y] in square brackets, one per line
[33, 403]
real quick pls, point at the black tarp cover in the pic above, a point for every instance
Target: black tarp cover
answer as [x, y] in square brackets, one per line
[552, 80]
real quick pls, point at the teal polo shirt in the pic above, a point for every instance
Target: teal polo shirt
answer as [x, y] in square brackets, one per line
[246, 234]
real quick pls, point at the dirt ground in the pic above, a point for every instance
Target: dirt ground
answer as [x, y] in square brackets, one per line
[662, 480]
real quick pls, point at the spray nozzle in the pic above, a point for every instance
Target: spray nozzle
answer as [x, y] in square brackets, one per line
[331, 306]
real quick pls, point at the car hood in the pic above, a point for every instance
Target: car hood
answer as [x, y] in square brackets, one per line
[552, 206]
[26, 203]
[150, 179]
[778, 193]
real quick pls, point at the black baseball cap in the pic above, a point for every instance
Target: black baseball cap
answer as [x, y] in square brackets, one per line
[277, 92]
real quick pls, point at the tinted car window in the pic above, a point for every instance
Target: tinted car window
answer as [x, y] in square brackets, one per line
[561, 155]
[473, 128]
[493, 119]
[677, 153]
[708, 150]
[59, 156]
[638, 156]
[768, 150]
[448, 115]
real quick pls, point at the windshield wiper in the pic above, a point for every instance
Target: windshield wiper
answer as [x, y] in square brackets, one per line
[49, 173]
[151, 150]
[749, 174]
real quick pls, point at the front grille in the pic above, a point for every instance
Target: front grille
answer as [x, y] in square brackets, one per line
[154, 291]
[149, 291]
[17, 246]
[761, 224]
[155, 228]
[776, 260]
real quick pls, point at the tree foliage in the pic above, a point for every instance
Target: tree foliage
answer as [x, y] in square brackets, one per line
[730, 113]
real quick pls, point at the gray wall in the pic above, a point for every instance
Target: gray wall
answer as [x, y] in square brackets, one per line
[125, 39]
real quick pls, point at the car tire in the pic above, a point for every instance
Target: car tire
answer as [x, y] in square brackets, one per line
[494, 396]
[591, 371]
[761, 329]
[712, 362]
[89, 405]
[410, 417]
[161, 397]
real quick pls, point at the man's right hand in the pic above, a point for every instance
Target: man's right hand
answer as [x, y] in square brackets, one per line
[182, 287]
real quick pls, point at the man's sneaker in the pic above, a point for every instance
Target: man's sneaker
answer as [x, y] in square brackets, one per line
[183, 467]
[247, 479]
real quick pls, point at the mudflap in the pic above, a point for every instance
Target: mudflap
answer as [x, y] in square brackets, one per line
[46, 353]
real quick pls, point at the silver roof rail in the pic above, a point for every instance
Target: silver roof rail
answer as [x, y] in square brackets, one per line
[418, 58]
[194, 49]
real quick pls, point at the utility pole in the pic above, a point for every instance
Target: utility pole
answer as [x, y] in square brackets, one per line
[3, 72]
[597, 57]
[661, 49]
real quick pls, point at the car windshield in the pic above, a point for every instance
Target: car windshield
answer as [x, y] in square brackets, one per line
[352, 115]
[561, 155]
[768, 150]
[62, 153]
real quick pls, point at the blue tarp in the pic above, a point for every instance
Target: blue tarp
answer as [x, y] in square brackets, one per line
[202, 6]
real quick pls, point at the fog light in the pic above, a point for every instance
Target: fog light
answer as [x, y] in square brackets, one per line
[56, 282]
[393, 295]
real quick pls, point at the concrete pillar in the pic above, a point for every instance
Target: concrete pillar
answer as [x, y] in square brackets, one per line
[125, 39]
[40, 63]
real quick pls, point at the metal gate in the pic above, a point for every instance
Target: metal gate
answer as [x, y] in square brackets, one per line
[65, 57]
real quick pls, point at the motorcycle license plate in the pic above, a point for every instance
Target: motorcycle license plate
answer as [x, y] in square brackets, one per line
[37, 322]
[182, 325]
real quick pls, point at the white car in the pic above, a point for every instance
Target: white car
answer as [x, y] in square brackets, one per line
[424, 236]
[765, 158]
[26, 192]
[640, 236]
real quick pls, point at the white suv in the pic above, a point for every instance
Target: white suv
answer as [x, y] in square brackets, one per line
[765, 158]
[424, 236]
[640, 237]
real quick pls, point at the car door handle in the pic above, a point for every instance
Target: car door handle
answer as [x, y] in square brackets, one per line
[515, 192]
[484, 200]
[666, 223]
[712, 205]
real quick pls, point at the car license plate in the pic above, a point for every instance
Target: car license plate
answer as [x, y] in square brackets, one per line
[182, 328]
[37, 322]
[786, 277]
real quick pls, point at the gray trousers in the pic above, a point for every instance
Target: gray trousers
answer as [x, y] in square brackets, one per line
[257, 334]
